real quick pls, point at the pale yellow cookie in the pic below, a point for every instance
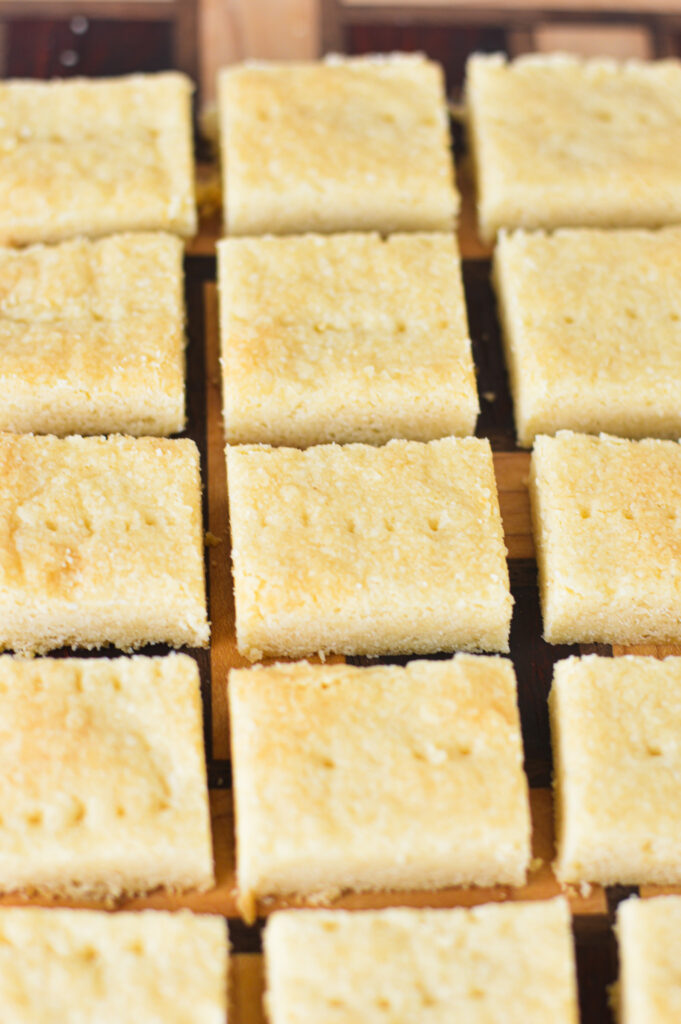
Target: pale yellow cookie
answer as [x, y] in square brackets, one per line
[344, 338]
[101, 542]
[59, 966]
[616, 731]
[91, 157]
[562, 141]
[102, 777]
[364, 550]
[92, 336]
[512, 962]
[377, 778]
[648, 934]
[592, 330]
[607, 531]
[345, 144]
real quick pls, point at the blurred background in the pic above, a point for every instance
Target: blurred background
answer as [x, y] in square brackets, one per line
[47, 38]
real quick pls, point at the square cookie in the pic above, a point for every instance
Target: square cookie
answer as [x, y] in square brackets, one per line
[102, 777]
[649, 939]
[592, 330]
[377, 778]
[363, 550]
[607, 531]
[562, 141]
[344, 338]
[346, 144]
[92, 336]
[616, 730]
[94, 156]
[513, 963]
[86, 966]
[101, 542]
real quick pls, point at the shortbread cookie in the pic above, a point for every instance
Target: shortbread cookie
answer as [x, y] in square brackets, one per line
[92, 336]
[616, 728]
[511, 962]
[607, 531]
[344, 338]
[94, 156]
[563, 141]
[101, 542]
[649, 933]
[592, 330]
[377, 778]
[347, 144]
[102, 777]
[85, 967]
[364, 550]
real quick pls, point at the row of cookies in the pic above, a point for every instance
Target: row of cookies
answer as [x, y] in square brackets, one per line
[87, 712]
[103, 787]
[344, 144]
[363, 550]
[83, 820]
[360, 144]
[357, 339]
[92, 331]
[448, 801]
[103, 535]
[587, 151]
[349, 337]
[516, 959]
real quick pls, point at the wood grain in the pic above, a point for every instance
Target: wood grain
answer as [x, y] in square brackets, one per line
[247, 985]
[649, 650]
[648, 891]
[588, 40]
[472, 7]
[223, 650]
[512, 470]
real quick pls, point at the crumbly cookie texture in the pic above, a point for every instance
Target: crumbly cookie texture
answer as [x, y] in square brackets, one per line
[364, 550]
[608, 537]
[101, 542]
[562, 141]
[345, 144]
[377, 778]
[344, 338]
[86, 965]
[649, 988]
[102, 777]
[616, 725]
[92, 336]
[512, 962]
[592, 330]
[95, 156]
